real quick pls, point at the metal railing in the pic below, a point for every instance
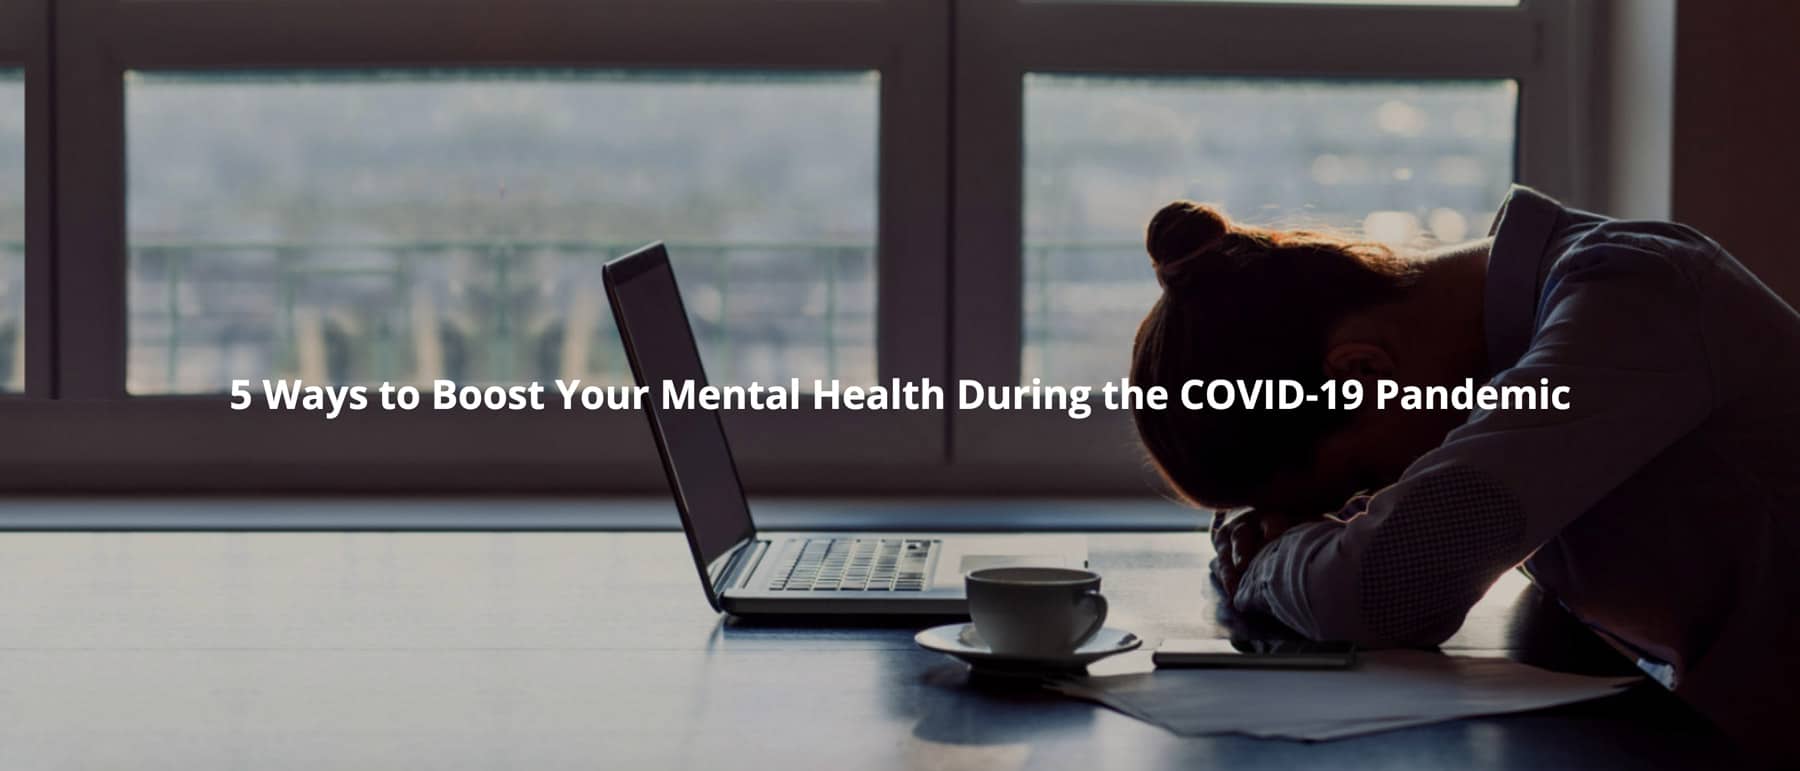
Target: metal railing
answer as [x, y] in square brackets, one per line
[511, 293]
[187, 297]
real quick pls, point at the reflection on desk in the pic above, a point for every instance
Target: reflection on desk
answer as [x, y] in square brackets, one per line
[586, 650]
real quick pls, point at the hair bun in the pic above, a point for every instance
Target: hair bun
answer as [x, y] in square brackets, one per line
[1182, 231]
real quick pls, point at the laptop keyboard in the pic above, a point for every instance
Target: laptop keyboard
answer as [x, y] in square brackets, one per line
[853, 565]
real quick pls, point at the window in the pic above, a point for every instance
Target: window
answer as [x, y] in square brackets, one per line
[411, 225]
[858, 189]
[1402, 121]
[1333, 2]
[12, 231]
[1407, 163]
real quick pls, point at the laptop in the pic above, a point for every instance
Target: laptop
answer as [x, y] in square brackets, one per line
[748, 571]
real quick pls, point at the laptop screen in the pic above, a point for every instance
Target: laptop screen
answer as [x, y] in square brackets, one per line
[654, 324]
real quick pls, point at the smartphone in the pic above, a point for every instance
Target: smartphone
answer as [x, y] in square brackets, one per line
[1263, 654]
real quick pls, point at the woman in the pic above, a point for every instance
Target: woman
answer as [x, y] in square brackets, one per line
[1662, 507]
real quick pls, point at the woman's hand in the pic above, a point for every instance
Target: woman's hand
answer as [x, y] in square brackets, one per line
[1237, 539]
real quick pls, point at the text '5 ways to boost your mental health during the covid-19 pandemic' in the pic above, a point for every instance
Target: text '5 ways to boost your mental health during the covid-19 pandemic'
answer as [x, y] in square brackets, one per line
[1076, 402]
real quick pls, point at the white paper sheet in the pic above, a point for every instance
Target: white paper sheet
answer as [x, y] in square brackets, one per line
[1386, 690]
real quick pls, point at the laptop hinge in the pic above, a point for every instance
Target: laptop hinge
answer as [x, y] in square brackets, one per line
[735, 566]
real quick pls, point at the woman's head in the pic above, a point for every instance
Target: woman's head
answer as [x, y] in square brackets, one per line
[1250, 303]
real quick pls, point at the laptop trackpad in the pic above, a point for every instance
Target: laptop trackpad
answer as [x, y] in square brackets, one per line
[979, 561]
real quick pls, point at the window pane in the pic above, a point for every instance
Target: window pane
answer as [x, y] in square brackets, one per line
[12, 231]
[1319, 2]
[1407, 163]
[417, 225]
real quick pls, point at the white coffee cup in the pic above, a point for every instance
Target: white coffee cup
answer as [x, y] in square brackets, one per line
[1031, 611]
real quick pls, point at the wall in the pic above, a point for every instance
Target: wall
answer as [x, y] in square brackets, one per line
[1736, 162]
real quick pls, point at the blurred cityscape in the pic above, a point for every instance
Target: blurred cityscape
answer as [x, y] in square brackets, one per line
[409, 226]
[360, 227]
[1410, 164]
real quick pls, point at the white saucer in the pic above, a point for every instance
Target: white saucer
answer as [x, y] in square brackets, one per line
[963, 642]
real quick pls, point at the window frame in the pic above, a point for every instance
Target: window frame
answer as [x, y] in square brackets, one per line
[949, 233]
[24, 46]
[998, 43]
[93, 424]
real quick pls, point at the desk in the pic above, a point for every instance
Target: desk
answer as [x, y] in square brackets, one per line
[596, 650]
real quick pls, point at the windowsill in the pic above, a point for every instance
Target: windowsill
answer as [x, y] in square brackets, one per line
[615, 513]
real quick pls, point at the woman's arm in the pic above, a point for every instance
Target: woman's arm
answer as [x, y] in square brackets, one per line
[1619, 326]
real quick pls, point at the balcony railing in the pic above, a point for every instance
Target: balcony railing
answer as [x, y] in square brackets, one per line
[494, 311]
[501, 311]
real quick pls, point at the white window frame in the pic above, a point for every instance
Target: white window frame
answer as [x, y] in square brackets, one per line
[949, 211]
[1538, 44]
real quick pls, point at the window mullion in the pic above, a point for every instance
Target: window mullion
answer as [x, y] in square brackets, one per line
[912, 325]
[89, 105]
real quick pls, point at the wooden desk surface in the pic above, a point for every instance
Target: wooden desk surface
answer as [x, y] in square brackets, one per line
[597, 650]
